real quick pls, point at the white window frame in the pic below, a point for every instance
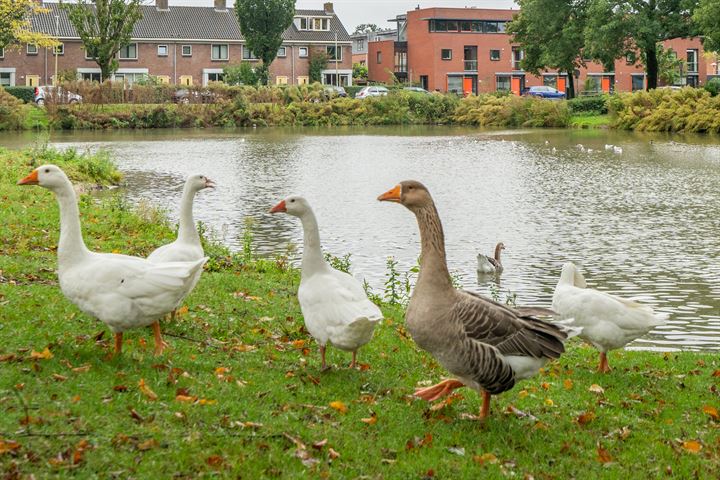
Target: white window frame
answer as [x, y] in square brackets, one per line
[300, 52]
[10, 71]
[2, 52]
[182, 51]
[210, 71]
[338, 49]
[88, 57]
[120, 52]
[442, 54]
[248, 55]
[220, 59]
[59, 50]
[167, 50]
[284, 52]
[34, 47]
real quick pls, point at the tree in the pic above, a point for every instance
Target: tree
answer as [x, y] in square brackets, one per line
[706, 18]
[366, 28]
[617, 28]
[104, 26]
[360, 71]
[242, 74]
[262, 23]
[669, 66]
[318, 63]
[551, 34]
[15, 27]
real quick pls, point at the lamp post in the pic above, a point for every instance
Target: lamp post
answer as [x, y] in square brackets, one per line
[55, 49]
[337, 78]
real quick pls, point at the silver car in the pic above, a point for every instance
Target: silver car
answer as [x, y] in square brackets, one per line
[59, 94]
[373, 91]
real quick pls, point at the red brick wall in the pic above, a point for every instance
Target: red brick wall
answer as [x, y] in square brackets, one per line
[381, 72]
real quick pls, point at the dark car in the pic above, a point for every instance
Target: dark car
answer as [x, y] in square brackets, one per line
[543, 91]
[332, 91]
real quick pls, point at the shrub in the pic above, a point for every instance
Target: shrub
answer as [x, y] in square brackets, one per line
[242, 74]
[318, 63]
[26, 94]
[510, 111]
[596, 105]
[12, 113]
[713, 86]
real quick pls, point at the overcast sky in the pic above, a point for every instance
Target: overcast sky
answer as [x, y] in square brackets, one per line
[355, 12]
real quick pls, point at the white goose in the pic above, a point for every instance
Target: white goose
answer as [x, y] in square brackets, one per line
[608, 322]
[121, 291]
[187, 246]
[334, 304]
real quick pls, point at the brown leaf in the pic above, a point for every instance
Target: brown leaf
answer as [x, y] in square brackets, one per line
[147, 391]
[319, 445]
[371, 420]
[147, 445]
[712, 411]
[716, 373]
[485, 458]
[692, 446]
[80, 451]
[332, 453]
[44, 355]
[595, 388]
[215, 461]
[82, 369]
[8, 446]
[603, 455]
[8, 357]
[185, 398]
[585, 418]
[136, 416]
[339, 406]
[545, 386]
[59, 378]
[120, 388]
[567, 384]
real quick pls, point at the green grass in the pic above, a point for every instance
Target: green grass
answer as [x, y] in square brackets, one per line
[258, 406]
[35, 118]
[590, 121]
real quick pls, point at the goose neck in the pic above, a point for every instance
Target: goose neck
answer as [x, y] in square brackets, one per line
[71, 247]
[312, 258]
[187, 232]
[433, 263]
[498, 250]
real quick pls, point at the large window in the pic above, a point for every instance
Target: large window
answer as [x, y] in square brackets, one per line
[446, 54]
[378, 57]
[455, 84]
[517, 56]
[129, 52]
[692, 61]
[247, 54]
[334, 54]
[216, 77]
[638, 82]
[2, 53]
[502, 83]
[220, 52]
[6, 79]
[468, 26]
[550, 81]
[308, 23]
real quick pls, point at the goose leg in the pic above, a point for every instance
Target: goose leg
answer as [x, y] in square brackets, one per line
[353, 363]
[160, 344]
[118, 342]
[438, 390]
[485, 409]
[604, 367]
[323, 366]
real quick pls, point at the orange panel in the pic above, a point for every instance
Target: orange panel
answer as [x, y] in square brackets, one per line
[467, 86]
[606, 84]
[561, 86]
[515, 85]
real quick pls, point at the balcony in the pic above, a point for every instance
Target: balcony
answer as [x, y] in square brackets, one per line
[471, 65]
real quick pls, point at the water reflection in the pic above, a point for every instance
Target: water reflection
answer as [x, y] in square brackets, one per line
[641, 224]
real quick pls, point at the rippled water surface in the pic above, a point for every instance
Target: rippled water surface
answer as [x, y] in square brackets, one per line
[643, 224]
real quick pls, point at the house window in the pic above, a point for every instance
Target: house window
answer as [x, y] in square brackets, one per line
[59, 49]
[321, 24]
[2, 53]
[129, 52]
[281, 80]
[467, 26]
[495, 55]
[220, 52]
[89, 76]
[88, 56]
[446, 54]
[303, 52]
[32, 80]
[692, 61]
[517, 56]
[216, 77]
[162, 50]
[282, 52]
[638, 82]
[455, 84]
[32, 49]
[550, 81]
[630, 59]
[334, 54]
[502, 83]
[303, 80]
[186, 80]
[186, 51]
[247, 54]
[6, 79]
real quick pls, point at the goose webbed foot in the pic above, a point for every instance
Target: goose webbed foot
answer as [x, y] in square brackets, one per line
[160, 344]
[438, 390]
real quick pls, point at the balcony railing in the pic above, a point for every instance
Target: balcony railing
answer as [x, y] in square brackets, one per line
[471, 65]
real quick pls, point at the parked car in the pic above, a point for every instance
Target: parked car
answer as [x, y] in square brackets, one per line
[543, 91]
[331, 91]
[58, 94]
[416, 90]
[184, 95]
[373, 91]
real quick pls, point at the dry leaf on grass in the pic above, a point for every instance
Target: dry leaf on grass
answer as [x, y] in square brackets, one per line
[215, 461]
[371, 420]
[585, 418]
[712, 411]
[147, 391]
[567, 384]
[44, 355]
[7, 446]
[485, 458]
[692, 446]
[339, 406]
[147, 445]
[595, 388]
[603, 456]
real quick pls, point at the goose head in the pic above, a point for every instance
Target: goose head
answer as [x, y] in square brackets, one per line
[294, 205]
[199, 182]
[46, 176]
[500, 246]
[410, 193]
[571, 275]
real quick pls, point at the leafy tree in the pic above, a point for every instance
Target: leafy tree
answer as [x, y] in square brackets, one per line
[669, 66]
[242, 74]
[318, 63]
[15, 27]
[616, 28]
[366, 28]
[551, 34]
[706, 17]
[360, 71]
[104, 26]
[262, 23]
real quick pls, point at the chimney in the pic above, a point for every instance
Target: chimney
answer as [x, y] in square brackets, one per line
[162, 5]
[328, 7]
[221, 5]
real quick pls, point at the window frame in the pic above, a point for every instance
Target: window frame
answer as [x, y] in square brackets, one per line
[182, 51]
[378, 57]
[27, 49]
[120, 52]
[58, 50]
[284, 51]
[499, 55]
[227, 52]
[167, 50]
[300, 52]
[250, 57]
[2, 52]
[442, 54]
[337, 49]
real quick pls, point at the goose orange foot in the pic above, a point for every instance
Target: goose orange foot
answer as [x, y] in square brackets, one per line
[160, 344]
[438, 390]
[604, 367]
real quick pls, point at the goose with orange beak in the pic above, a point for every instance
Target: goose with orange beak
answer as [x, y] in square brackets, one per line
[333, 303]
[487, 346]
[123, 292]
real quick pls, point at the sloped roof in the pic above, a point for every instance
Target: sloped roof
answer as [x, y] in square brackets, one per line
[188, 23]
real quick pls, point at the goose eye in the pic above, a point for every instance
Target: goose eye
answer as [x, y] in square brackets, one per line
[292, 201]
[47, 170]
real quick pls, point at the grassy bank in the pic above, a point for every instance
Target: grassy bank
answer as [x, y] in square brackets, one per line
[240, 394]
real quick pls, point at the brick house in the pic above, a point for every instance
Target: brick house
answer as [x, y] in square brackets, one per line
[183, 45]
[466, 50]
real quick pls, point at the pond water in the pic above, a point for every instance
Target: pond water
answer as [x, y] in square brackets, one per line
[643, 223]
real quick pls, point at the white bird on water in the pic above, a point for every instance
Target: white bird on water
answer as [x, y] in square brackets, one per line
[580, 147]
[609, 147]
[617, 150]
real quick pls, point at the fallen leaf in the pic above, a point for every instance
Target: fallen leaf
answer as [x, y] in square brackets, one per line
[44, 355]
[59, 378]
[332, 453]
[185, 398]
[253, 425]
[457, 451]
[716, 373]
[8, 357]
[339, 406]
[568, 384]
[80, 451]
[485, 458]
[82, 369]
[205, 401]
[603, 455]
[120, 388]
[244, 348]
[147, 391]
[692, 446]
[214, 461]
[8, 446]
[147, 445]
[712, 411]
[523, 393]
[181, 311]
[585, 418]
[319, 445]
[549, 402]
[136, 416]
[371, 420]
[545, 385]
[595, 388]
[298, 344]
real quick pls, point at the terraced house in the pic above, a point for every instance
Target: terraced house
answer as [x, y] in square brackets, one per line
[184, 45]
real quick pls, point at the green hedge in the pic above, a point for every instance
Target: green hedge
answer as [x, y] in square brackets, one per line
[26, 94]
[351, 91]
[713, 86]
[589, 105]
